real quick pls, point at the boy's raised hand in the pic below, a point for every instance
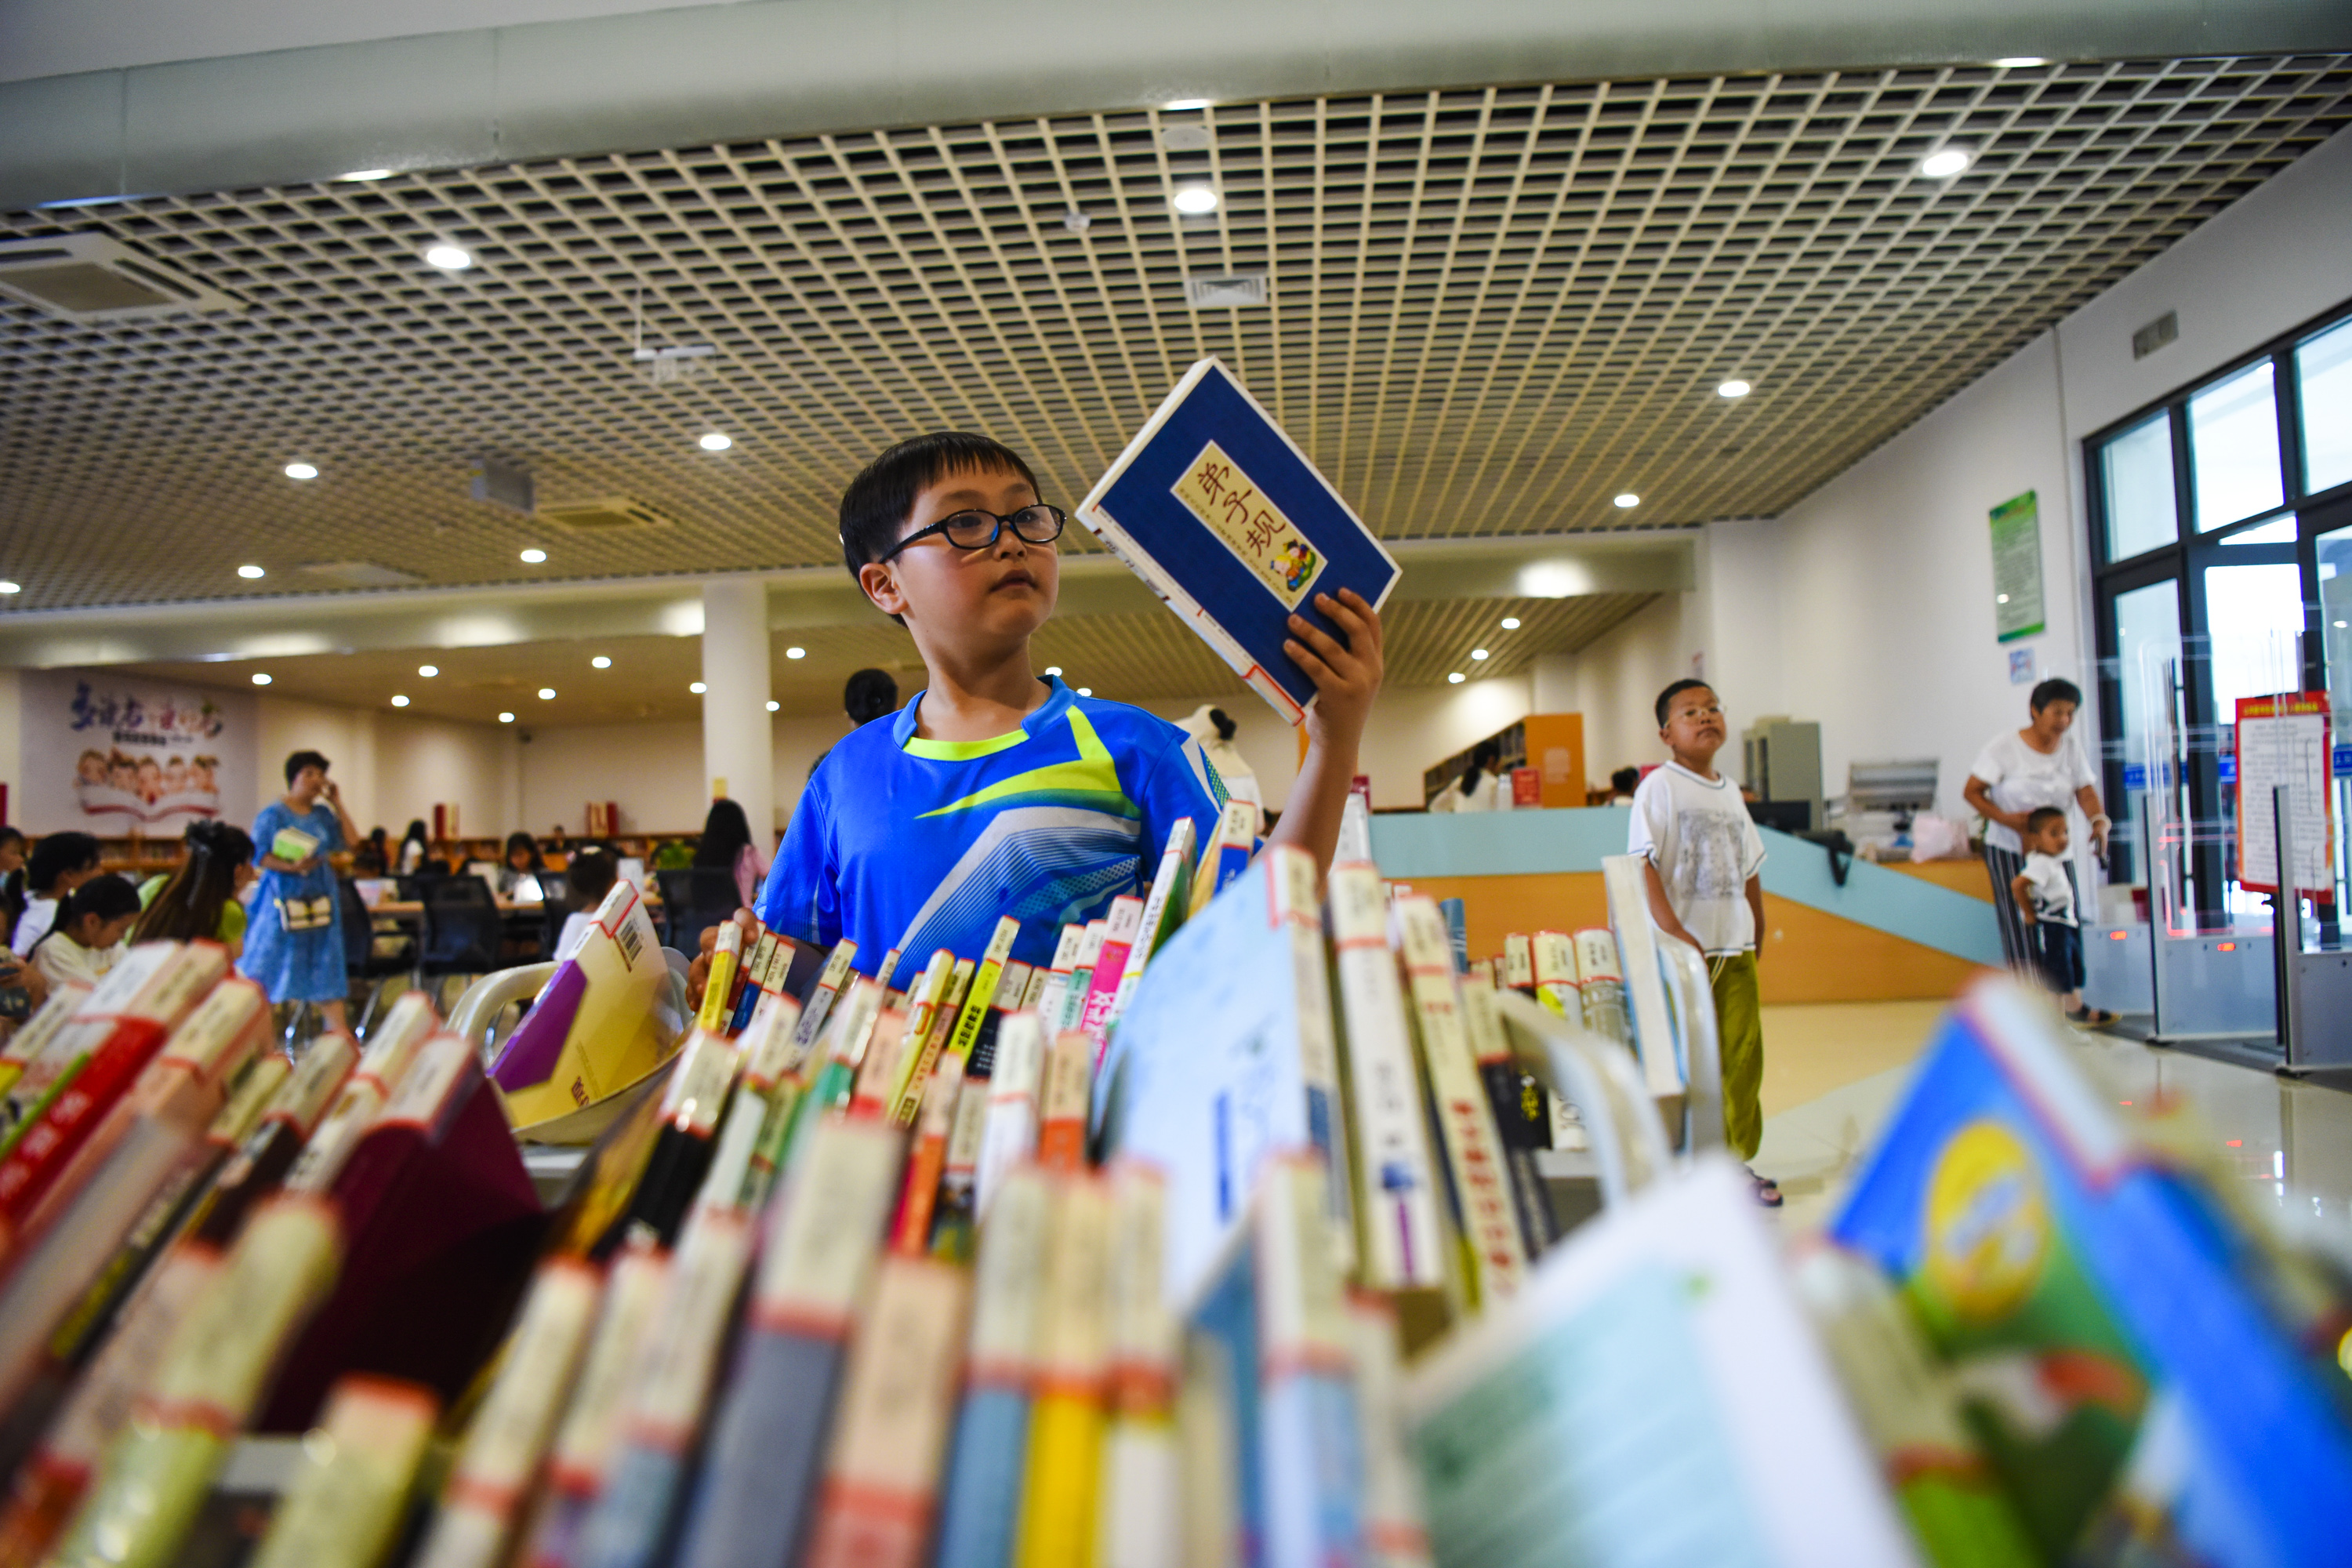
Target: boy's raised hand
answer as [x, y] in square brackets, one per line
[698, 972]
[1347, 676]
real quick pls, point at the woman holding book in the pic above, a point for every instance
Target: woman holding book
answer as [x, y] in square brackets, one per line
[294, 946]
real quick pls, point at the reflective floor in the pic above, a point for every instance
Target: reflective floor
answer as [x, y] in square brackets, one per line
[1833, 1073]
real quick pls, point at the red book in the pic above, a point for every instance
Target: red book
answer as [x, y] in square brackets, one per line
[1062, 1102]
[912, 1231]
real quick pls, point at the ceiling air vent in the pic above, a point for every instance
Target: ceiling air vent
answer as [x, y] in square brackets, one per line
[1215, 293]
[89, 278]
[612, 514]
[359, 575]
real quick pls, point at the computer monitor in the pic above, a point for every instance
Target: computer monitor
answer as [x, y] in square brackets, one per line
[1783, 816]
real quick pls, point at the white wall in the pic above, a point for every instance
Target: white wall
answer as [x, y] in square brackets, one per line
[392, 767]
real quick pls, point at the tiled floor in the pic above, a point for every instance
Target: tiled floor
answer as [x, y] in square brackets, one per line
[1833, 1073]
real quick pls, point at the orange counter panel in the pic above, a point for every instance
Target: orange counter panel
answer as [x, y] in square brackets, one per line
[1808, 956]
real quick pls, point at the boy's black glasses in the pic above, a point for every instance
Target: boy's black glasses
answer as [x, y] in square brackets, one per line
[979, 530]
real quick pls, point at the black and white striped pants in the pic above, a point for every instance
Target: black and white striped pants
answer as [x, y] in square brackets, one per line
[2016, 937]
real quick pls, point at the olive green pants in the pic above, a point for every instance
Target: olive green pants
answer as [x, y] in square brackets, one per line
[1739, 1030]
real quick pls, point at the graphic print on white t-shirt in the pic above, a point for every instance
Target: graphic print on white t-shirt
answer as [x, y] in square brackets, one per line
[1698, 833]
[2052, 891]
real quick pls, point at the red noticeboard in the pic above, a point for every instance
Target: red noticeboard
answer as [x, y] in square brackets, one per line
[2283, 740]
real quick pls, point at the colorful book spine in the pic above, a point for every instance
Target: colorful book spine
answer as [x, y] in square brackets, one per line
[1011, 991]
[1293, 906]
[693, 1100]
[1480, 1177]
[211, 1379]
[911, 1232]
[845, 1042]
[262, 1160]
[1600, 986]
[1033, 997]
[1396, 1525]
[981, 1502]
[1064, 1102]
[1227, 855]
[923, 1055]
[754, 1496]
[1522, 1119]
[1519, 964]
[725, 956]
[590, 1432]
[1164, 908]
[1398, 1226]
[1552, 960]
[755, 982]
[350, 1491]
[630, 1525]
[1082, 973]
[1058, 1519]
[897, 1403]
[507, 1444]
[924, 999]
[982, 992]
[816, 1005]
[1310, 1439]
[889, 1047]
[887, 967]
[33, 1036]
[1141, 1514]
[1009, 1136]
[1125, 923]
[390, 1051]
[956, 1222]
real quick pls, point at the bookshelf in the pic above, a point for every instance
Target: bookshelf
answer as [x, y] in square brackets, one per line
[1553, 742]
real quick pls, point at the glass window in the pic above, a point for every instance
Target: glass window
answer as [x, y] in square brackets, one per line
[2322, 375]
[2281, 531]
[2254, 614]
[2234, 447]
[2137, 468]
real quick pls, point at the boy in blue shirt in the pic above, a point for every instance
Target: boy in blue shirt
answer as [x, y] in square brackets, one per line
[994, 791]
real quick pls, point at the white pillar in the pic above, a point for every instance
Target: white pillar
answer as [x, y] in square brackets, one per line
[1554, 683]
[738, 757]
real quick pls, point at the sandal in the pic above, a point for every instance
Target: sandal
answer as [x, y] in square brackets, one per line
[1768, 1191]
[2091, 1017]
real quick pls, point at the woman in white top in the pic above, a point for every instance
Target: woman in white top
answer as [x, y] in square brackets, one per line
[1483, 787]
[2017, 772]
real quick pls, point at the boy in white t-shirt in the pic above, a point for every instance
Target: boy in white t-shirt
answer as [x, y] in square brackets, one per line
[1704, 857]
[2045, 900]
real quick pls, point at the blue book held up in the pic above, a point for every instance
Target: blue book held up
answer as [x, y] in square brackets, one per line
[1226, 519]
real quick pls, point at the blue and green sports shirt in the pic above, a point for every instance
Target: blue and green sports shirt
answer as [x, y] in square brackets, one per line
[919, 844]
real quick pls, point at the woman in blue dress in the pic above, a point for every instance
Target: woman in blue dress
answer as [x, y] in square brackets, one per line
[304, 963]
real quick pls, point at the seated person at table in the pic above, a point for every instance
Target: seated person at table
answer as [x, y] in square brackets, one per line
[994, 791]
[60, 863]
[521, 868]
[87, 940]
[591, 876]
[200, 898]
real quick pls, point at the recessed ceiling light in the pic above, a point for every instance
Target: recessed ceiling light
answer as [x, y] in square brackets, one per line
[301, 471]
[8, 587]
[399, 701]
[1179, 104]
[1456, 679]
[505, 718]
[2020, 62]
[534, 557]
[360, 175]
[1628, 500]
[448, 258]
[1477, 653]
[697, 689]
[260, 678]
[1734, 389]
[795, 653]
[1086, 691]
[428, 671]
[547, 694]
[1510, 623]
[1195, 199]
[716, 441]
[1945, 165]
[600, 662]
[250, 572]
[774, 706]
[1053, 669]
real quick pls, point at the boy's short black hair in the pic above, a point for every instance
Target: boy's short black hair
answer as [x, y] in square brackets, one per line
[107, 897]
[57, 854]
[1627, 779]
[590, 876]
[1677, 689]
[2041, 817]
[880, 501]
[2055, 690]
[300, 760]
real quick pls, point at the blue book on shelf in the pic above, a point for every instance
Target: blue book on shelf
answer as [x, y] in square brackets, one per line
[1226, 519]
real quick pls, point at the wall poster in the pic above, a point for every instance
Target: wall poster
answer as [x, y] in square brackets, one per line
[2283, 740]
[2017, 569]
[122, 755]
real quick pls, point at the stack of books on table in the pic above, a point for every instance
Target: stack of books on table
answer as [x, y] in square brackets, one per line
[1202, 1243]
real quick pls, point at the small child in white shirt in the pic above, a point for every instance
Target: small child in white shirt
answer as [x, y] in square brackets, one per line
[2045, 899]
[88, 937]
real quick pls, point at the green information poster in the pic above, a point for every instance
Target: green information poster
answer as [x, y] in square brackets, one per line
[2017, 568]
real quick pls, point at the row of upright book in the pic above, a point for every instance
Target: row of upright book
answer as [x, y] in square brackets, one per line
[1230, 1237]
